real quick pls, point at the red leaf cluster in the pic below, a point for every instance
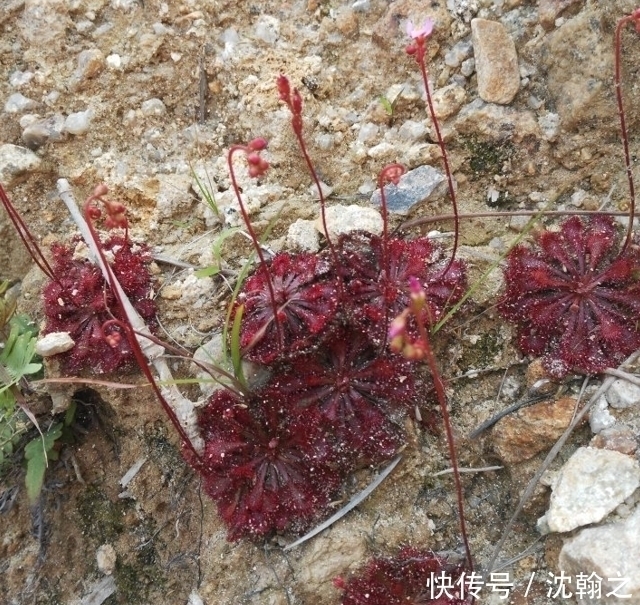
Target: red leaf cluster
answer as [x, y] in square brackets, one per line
[79, 302]
[413, 577]
[268, 465]
[575, 300]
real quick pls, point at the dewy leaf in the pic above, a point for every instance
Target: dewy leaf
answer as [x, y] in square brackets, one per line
[37, 453]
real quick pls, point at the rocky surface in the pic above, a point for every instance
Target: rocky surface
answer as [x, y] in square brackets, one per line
[145, 95]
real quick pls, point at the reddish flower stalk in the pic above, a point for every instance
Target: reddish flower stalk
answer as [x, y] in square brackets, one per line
[293, 101]
[401, 341]
[257, 167]
[418, 49]
[114, 338]
[389, 174]
[635, 19]
[27, 237]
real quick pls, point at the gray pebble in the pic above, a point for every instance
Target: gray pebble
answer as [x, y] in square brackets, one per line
[416, 186]
[622, 394]
[153, 107]
[37, 132]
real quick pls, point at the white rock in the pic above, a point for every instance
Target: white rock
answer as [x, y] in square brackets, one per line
[327, 190]
[16, 161]
[195, 598]
[106, 559]
[622, 394]
[153, 107]
[17, 102]
[302, 235]
[54, 343]
[600, 417]
[267, 29]
[20, 78]
[549, 125]
[591, 484]
[78, 122]
[345, 219]
[114, 61]
[611, 551]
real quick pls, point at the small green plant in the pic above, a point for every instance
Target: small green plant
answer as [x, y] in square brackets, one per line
[17, 361]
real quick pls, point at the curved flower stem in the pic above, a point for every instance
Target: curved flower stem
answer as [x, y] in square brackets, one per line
[443, 150]
[129, 330]
[29, 241]
[453, 456]
[634, 17]
[254, 238]
[389, 174]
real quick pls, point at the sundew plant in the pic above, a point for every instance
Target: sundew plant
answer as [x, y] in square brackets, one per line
[346, 341]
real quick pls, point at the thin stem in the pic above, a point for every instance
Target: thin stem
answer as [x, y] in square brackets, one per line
[442, 400]
[254, 238]
[505, 214]
[323, 205]
[623, 127]
[389, 174]
[131, 337]
[27, 237]
[443, 151]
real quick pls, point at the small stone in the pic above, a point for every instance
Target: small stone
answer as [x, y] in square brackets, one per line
[496, 61]
[17, 103]
[303, 235]
[327, 190]
[106, 558]
[623, 394]
[549, 125]
[612, 552]
[114, 61]
[549, 10]
[20, 78]
[345, 219]
[532, 429]
[496, 122]
[599, 416]
[411, 131]
[448, 100]
[79, 122]
[361, 6]
[89, 64]
[468, 67]
[54, 343]
[591, 484]
[16, 161]
[619, 438]
[153, 107]
[267, 29]
[422, 184]
[368, 132]
[458, 53]
[37, 133]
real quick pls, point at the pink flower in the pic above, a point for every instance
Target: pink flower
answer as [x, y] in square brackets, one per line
[420, 33]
